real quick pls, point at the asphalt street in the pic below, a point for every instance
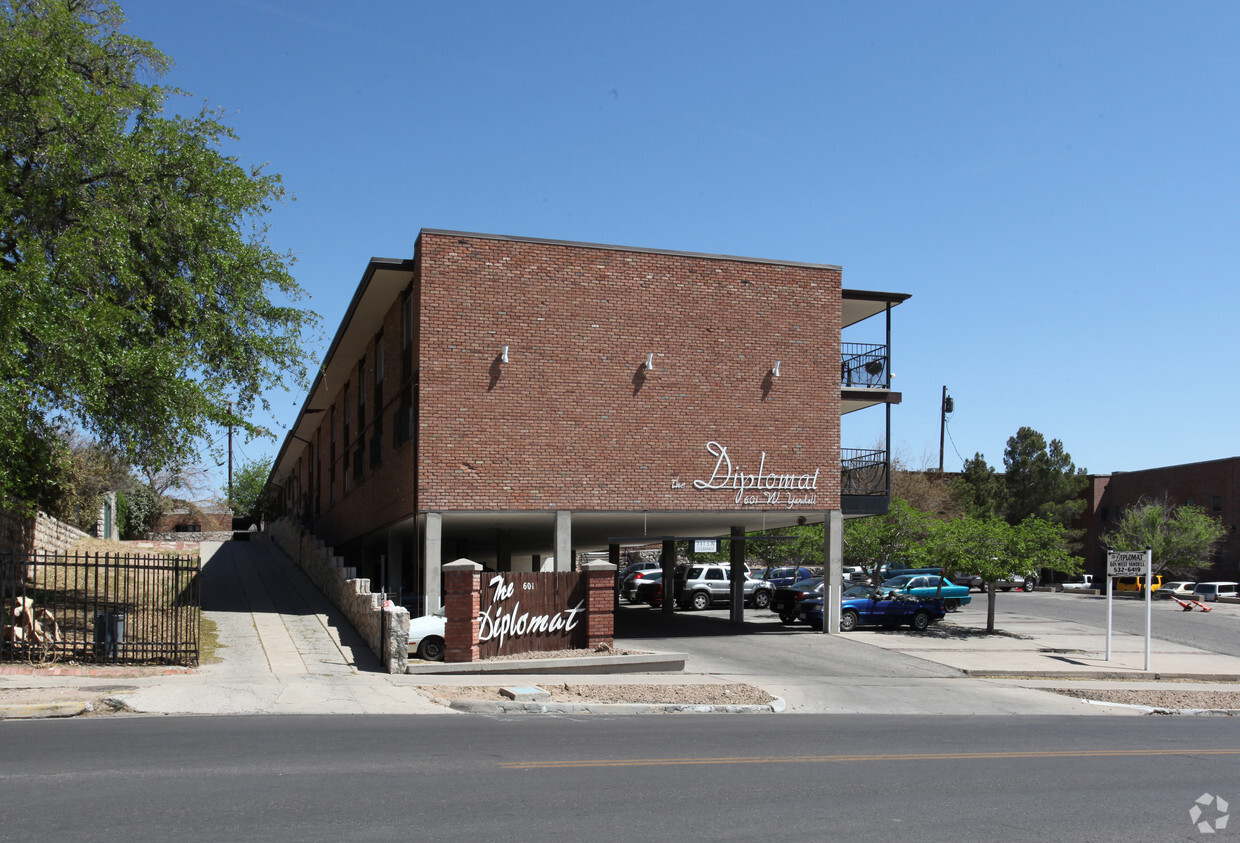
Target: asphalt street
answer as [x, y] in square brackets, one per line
[1217, 630]
[739, 777]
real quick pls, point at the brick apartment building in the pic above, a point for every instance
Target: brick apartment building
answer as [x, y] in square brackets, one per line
[516, 401]
[1212, 485]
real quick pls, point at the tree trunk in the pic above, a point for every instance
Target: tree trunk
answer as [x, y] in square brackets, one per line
[990, 608]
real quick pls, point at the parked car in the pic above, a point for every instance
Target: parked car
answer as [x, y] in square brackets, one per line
[876, 608]
[650, 591]
[426, 635]
[779, 577]
[631, 569]
[1176, 588]
[1208, 592]
[969, 581]
[952, 595]
[1024, 583]
[629, 591]
[784, 600]
[698, 586]
[1137, 584]
[1085, 582]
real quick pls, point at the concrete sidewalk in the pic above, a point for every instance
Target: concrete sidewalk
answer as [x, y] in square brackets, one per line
[1036, 647]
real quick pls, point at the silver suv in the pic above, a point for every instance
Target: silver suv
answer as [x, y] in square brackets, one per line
[698, 586]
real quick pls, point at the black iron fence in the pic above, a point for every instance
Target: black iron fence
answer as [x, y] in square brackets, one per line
[100, 608]
[864, 472]
[864, 364]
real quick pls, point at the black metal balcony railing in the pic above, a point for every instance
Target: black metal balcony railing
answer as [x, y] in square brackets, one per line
[864, 472]
[864, 364]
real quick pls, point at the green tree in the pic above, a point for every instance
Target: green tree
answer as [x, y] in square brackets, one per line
[1040, 480]
[879, 540]
[249, 499]
[997, 550]
[979, 490]
[138, 295]
[1182, 538]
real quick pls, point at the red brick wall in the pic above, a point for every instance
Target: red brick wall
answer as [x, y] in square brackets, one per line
[1179, 483]
[572, 421]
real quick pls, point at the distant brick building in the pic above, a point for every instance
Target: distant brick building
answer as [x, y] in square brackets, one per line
[1212, 485]
[509, 399]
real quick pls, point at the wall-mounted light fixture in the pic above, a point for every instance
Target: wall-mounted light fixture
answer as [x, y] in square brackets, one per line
[775, 369]
[503, 354]
[650, 362]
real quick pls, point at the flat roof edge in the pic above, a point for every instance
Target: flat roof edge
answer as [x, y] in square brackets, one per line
[614, 248]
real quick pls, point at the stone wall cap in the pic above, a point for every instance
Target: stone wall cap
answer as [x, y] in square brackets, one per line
[462, 565]
[599, 566]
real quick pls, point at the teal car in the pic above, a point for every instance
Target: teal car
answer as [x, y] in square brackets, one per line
[930, 585]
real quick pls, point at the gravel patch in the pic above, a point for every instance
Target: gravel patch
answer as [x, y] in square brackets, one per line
[737, 694]
[1172, 699]
[604, 650]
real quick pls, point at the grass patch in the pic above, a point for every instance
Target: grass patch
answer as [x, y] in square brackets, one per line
[133, 547]
[208, 641]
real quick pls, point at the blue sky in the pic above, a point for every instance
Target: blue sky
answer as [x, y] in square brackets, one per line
[1056, 184]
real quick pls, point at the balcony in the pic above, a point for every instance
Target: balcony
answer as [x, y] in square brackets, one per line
[864, 486]
[864, 366]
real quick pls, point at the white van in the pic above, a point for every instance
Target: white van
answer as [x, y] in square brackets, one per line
[1208, 592]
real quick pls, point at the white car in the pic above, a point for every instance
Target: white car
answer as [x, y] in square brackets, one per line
[1179, 588]
[426, 635]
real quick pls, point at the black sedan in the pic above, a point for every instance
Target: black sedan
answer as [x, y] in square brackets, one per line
[784, 600]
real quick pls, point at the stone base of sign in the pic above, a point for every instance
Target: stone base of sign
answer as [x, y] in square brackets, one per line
[463, 598]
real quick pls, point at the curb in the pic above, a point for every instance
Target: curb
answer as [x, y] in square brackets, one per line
[500, 707]
[1135, 676]
[41, 711]
[650, 663]
[1152, 709]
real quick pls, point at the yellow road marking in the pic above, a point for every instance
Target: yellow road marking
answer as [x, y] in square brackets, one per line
[828, 759]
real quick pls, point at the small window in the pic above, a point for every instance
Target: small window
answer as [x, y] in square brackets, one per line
[1190, 501]
[1103, 513]
[1216, 504]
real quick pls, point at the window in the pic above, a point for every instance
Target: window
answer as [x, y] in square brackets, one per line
[402, 419]
[361, 398]
[1216, 504]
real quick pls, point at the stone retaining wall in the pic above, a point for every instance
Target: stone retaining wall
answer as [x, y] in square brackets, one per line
[190, 538]
[54, 536]
[348, 593]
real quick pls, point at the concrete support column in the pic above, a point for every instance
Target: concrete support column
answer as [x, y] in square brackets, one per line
[736, 555]
[833, 569]
[669, 578]
[463, 605]
[433, 561]
[563, 540]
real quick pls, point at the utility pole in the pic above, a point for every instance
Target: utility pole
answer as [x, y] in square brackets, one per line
[944, 408]
[230, 457]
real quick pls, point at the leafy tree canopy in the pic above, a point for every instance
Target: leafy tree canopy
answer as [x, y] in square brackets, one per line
[997, 550]
[249, 484]
[891, 539]
[1182, 538]
[1041, 480]
[138, 295]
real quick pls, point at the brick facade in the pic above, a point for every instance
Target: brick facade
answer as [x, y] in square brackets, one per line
[573, 420]
[510, 400]
[1213, 485]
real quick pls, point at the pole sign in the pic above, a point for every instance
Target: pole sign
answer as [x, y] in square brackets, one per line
[1125, 563]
